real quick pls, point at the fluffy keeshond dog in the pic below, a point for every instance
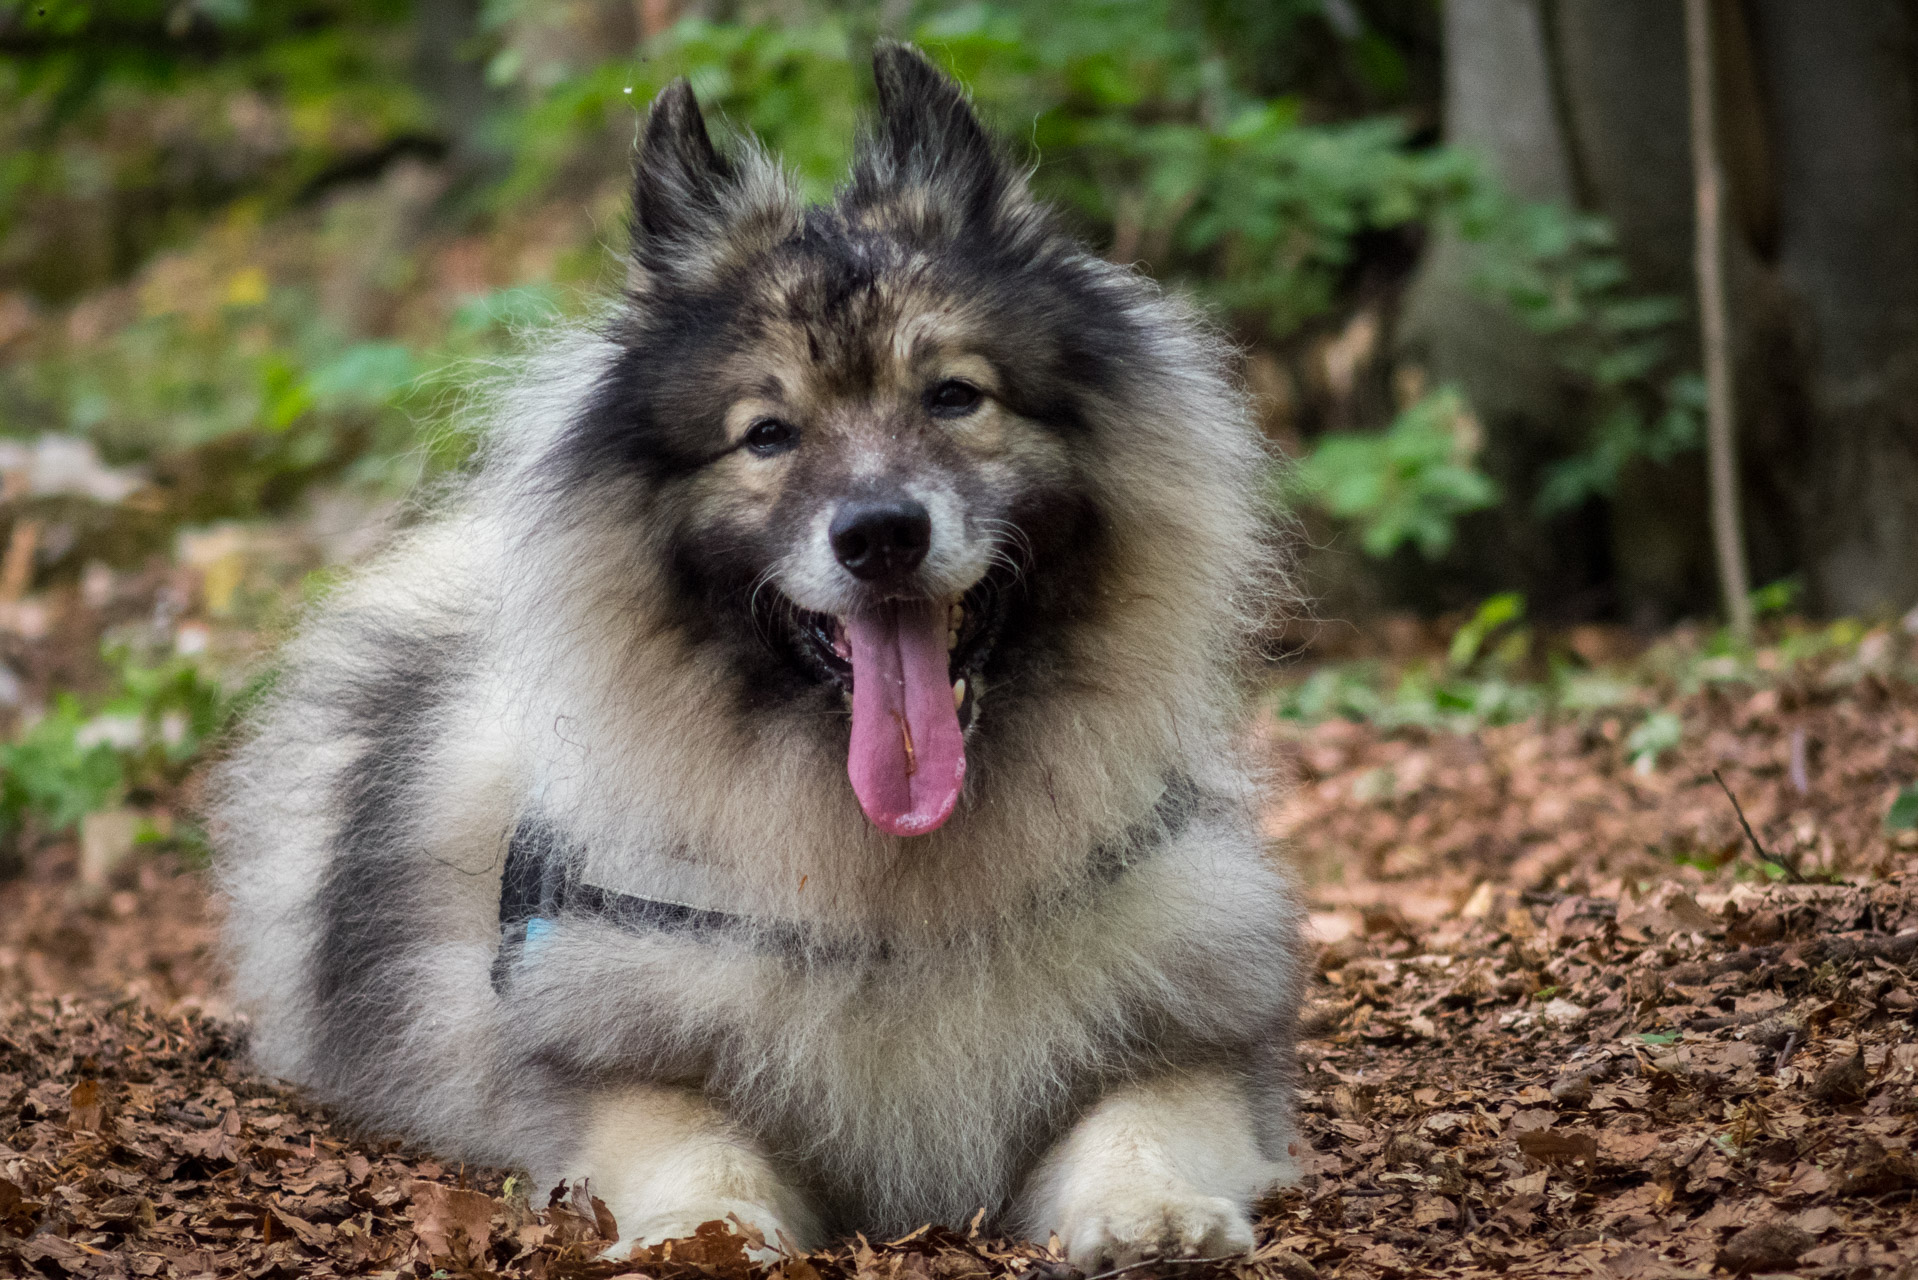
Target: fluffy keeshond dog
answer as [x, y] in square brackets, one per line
[799, 773]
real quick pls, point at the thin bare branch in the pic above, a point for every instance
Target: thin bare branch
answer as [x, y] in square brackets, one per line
[1728, 539]
[1143, 1263]
[1789, 867]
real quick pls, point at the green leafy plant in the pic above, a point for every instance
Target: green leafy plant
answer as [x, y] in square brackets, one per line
[1143, 128]
[157, 115]
[57, 772]
[1407, 484]
[1656, 734]
[797, 86]
[86, 755]
[1776, 599]
[1560, 272]
[1493, 672]
[1502, 611]
[1903, 815]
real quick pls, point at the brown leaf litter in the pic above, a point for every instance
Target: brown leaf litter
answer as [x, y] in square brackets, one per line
[1558, 1027]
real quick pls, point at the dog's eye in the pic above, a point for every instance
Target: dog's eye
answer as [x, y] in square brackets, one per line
[769, 436]
[953, 399]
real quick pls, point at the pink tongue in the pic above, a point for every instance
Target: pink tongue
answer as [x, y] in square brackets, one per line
[908, 759]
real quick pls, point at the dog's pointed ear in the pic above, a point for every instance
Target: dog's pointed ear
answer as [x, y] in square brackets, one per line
[694, 208]
[928, 136]
[681, 181]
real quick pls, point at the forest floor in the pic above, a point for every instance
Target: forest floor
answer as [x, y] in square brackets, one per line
[1564, 1022]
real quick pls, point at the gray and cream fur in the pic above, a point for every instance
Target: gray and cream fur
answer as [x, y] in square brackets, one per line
[1072, 1005]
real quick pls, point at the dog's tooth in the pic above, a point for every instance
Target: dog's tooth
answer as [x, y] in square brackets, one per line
[958, 693]
[956, 616]
[952, 641]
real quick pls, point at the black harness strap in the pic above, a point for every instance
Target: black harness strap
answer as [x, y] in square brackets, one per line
[534, 883]
[541, 884]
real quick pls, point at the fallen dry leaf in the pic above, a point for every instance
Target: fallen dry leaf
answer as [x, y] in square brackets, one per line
[453, 1225]
[1770, 1246]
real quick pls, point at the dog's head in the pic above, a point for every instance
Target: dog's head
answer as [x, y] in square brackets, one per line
[860, 432]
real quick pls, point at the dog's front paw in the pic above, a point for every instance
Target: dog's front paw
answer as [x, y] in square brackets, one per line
[762, 1235]
[1120, 1230]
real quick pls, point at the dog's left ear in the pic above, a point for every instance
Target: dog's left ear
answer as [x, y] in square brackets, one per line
[929, 137]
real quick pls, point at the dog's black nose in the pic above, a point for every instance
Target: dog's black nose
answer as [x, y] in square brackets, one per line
[881, 541]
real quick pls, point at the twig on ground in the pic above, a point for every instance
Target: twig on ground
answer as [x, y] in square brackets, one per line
[1143, 1263]
[1785, 1052]
[1786, 865]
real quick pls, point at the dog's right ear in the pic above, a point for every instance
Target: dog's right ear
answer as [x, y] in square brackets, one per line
[694, 209]
[681, 187]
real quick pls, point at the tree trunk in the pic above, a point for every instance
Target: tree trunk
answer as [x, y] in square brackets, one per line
[1622, 64]
[453, 78]
[1500, 103]
[1583, 102]
[1839, 80]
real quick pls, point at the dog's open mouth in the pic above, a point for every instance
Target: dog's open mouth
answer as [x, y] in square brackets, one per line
[912, 670]
[972, 622]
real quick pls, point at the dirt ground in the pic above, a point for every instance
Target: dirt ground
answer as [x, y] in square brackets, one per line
[1563, 1024]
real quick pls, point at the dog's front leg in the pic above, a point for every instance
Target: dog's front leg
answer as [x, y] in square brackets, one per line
[666, 1160]
[1162, 1168]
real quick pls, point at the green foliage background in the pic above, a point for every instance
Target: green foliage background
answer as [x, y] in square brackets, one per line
[255, 250]
[203, 158]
